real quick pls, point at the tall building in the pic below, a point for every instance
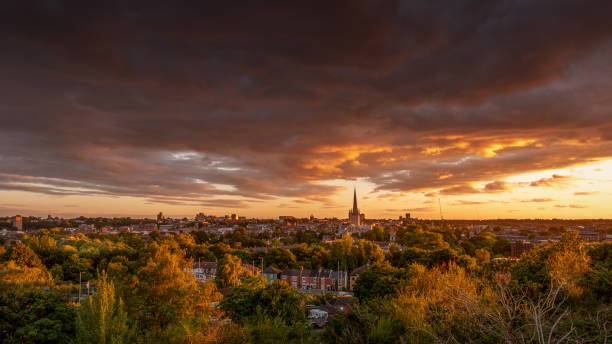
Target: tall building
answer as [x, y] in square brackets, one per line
[160, 217]
[17, 222]
[355, 217]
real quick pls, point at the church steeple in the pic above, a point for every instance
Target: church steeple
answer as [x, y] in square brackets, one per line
[355, 209]
[354, 214]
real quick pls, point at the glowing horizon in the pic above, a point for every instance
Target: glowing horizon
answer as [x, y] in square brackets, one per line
[580, 192]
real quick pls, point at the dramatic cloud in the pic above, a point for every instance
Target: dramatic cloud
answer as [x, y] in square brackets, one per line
[221, 104]
[496, 186]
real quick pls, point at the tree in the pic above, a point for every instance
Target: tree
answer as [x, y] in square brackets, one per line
[75, 268]
[568, 263]
[276, 330]
[35, 316]
[378, 281]
[598, 282]
[255, 297]
[22, 255]
[280, 257]
[164, 297]
[23, 269]
[230, 271]
[102, 319]
[502, 247]
[482, 255]
[200, 237]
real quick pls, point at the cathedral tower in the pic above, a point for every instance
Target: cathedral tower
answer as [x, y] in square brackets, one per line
[354, 214]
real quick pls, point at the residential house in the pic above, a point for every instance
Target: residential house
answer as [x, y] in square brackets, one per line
[204, 271]
[271, 274]
[322, 279]
[355, 275]
[207, 271]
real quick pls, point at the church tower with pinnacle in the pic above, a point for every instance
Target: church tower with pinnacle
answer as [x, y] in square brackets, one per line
[354, 214]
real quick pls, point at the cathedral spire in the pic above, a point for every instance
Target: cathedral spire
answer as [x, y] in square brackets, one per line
[355, 209]
[354, 214]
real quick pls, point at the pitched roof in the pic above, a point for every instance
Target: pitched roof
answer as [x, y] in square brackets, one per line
[205, 265]
[272, 270]
[360, 269]
[291, 272]
[326, 273]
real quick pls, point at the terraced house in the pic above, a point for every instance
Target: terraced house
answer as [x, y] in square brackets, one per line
[322, 279]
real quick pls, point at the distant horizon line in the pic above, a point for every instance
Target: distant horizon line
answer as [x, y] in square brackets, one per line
[330, 218]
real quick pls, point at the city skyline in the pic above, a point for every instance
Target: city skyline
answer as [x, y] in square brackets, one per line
[494, 109]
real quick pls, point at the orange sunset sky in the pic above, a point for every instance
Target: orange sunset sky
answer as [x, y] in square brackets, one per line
[491, 109]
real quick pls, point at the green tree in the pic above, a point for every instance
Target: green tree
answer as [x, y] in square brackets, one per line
[256, 296]
[35, 316]
[102, 319]
[378, 281]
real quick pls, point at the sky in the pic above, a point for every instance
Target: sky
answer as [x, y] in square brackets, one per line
[466, 110]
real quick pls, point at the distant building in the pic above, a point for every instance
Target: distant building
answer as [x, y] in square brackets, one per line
[355, 217]
[166, 227]
[17, 222]
[591, 235]
[319, 315]
[160, 217]
[392, 234]
[518, 247]
[322, 279]
[234, 217]
[207, 271]
[148, 227]
[407, 216]
[204, 271]
[83, 227]
[271, 274]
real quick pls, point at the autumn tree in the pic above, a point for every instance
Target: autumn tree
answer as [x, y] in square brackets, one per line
[23, 268]
[167, 302]
[230, 271]
[102, 319]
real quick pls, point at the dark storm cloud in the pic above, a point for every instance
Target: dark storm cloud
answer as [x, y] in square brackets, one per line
[192, 102]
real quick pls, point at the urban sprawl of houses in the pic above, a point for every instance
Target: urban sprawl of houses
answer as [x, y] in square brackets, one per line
[522, 235]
